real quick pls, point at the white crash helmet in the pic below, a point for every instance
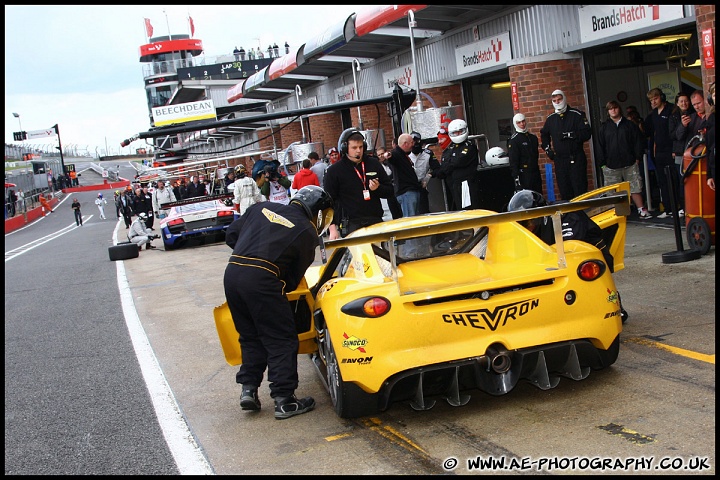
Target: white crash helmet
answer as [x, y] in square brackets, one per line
[458, 130]
[497, 156]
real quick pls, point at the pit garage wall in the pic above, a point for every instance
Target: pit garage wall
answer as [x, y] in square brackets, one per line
[538, 68]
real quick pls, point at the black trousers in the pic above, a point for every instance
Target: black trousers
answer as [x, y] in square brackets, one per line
[268, 337]
[571, 175]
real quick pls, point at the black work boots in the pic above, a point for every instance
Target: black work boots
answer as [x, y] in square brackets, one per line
[249, 399]
[286, 407]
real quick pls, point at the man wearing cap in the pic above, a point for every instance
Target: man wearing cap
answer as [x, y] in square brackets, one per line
[334, 155]
[523, 156]
[563, 135]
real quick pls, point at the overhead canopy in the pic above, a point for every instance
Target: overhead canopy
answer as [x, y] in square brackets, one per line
[253, 122]
[372, 33]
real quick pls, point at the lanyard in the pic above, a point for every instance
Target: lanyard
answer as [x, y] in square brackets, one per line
[362, 178]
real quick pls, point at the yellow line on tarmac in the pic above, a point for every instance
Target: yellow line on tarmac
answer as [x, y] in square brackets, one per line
[676, 350]
[391, 434]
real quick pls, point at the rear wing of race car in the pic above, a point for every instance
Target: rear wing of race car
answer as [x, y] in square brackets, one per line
[620, 201]
[204, 198]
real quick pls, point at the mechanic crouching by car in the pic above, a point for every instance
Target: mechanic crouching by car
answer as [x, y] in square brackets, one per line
[575, 226]
[258, 277]
[140, 234]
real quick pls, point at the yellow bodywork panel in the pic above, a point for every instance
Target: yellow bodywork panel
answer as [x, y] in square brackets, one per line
[230, 338]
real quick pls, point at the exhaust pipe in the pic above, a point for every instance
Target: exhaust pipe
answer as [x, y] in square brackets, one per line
[499, 359]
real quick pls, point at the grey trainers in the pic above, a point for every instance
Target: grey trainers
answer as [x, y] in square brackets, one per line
[286, 407]
[249, 399]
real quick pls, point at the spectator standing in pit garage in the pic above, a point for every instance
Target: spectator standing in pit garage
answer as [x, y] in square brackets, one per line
[305, 176]
[334, 155]
[619, 153]
[356, 184]
[257, 279]
[126, 209]
[195, 188]
[408, 185]
[143, 204]
[392, 203]
[523, 156]
[118, 205]
[160, 196]
[657, 129]
[228, 180]
[424, 162]
[678, 122]
[318, 166]
[563, 136]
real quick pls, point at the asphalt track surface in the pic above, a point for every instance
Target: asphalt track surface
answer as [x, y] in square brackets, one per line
[115, 368]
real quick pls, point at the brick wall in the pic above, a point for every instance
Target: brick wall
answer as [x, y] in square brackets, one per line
[536, 82]
[705, 15]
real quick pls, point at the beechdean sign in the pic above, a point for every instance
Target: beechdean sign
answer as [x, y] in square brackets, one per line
[184, 112]
[485, 53]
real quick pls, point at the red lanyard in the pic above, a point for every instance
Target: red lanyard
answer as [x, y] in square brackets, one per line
[362, 178]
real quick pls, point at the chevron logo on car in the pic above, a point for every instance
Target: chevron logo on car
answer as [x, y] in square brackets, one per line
[484, 318]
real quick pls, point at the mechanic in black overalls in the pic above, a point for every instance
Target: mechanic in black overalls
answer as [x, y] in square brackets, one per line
[575, 225]
[273, 245]
[562, 137]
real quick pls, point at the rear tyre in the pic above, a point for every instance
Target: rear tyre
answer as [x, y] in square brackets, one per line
[349, 400]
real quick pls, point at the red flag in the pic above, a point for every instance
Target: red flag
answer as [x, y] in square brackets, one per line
[148, 27]
[192, 26]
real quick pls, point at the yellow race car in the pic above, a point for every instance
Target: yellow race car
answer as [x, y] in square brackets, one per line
[434, 306]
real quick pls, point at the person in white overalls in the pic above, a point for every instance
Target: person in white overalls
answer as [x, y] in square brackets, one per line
[101, 202]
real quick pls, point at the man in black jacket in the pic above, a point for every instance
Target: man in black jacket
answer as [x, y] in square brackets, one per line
[408, 191]
[258, 277]
[562, 137]
[657, 129]
[620, 151]
[356, 184]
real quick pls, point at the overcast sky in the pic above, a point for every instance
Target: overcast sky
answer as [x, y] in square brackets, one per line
[79, 66]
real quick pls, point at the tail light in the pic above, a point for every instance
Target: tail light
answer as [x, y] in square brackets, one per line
[175, 222]
[370, 307]
[226, 213]
[591, 270]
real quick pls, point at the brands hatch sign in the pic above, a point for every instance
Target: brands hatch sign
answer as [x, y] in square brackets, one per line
[184, 112]
[485, 53]
[48, 132]
[601, 21]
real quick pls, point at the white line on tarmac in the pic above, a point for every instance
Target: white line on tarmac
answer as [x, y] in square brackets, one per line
[188, 456]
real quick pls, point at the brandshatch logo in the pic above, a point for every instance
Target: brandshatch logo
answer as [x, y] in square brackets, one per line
[484, 318]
